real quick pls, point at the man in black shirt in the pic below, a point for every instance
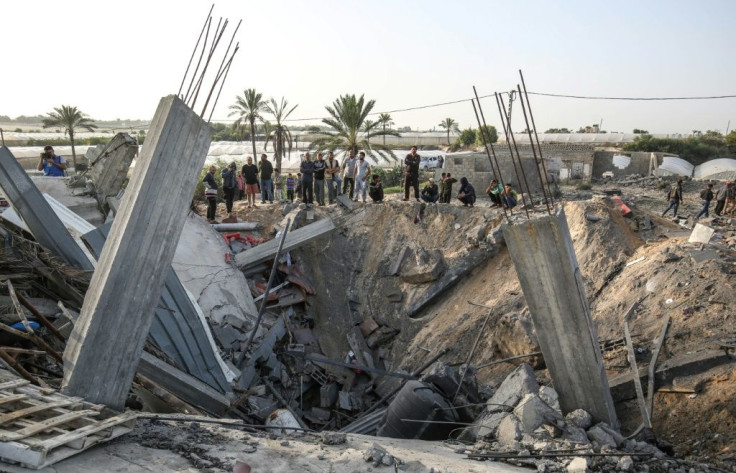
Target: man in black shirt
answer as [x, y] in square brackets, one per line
[307, 169]
[707, 196]
[319, 179]
[411, 175]
[250, 175]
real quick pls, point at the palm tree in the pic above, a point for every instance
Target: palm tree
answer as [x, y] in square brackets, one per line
[267, 128]
[386, 121]
[69, 118]
[248, 107]
[281, 134]
[349, 131]
[367, 126]
[449, 124]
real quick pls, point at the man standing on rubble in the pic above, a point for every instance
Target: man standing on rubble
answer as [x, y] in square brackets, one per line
[250, 174]
[411, 174]
[51, 164]
[362, 171]
[266, 183]
[319, 179]
[674, 196]
[229, 186]
[333, 177]
[348, 173]
[307, 169]
[707, 196]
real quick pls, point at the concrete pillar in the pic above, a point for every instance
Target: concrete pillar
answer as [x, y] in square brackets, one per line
[545, 262]
[102, 354]
[27, 200]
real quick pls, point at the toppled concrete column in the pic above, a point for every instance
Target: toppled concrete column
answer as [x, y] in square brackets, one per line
[109, 166]
[27, 200]
[545, 262]
[102, 354]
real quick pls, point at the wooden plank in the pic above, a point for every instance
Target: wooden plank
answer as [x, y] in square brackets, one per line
[15, 383]
[12, 398]
[294, 239]
[7, 436]
[11, 416]
[60, 440]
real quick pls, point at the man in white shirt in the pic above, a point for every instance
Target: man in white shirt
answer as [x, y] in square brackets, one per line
[362, 171]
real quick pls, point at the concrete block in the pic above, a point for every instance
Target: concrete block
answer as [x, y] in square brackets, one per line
[420, 274]
[578, 465]
[519, 383]
[601, 436]
[488, 425]
[575, 434]
[132, 268]
[550, 277]
[532, 412]
[509, 430]
[550, 397]
[579, 418]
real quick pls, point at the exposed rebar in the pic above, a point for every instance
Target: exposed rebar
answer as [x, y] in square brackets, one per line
[536, 137]
[511, 151]
[534, 152]
[195, 51]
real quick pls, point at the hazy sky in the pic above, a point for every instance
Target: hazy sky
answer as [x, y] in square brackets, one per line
[116, 59]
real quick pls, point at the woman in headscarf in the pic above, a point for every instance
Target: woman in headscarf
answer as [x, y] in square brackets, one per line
[466, 193]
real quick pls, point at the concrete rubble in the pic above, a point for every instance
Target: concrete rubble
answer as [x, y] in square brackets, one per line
[345, 349]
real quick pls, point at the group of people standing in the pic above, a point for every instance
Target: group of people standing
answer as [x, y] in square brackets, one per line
[353, 178]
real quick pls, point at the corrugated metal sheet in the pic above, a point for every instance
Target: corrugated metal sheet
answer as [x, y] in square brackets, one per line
[177, 328]
[366, 425]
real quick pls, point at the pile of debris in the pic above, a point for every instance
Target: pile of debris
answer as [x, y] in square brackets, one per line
[522, 424]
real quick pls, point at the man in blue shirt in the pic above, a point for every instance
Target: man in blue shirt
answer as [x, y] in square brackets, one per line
[51, 164]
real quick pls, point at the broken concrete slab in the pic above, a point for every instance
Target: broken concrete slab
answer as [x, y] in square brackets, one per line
[294, 239]
[418, 300]
[403, 255]
[236, 227]
[421, 274]
[109, 166]
[532, 412]
[117, 303]
[188, 388]
[345, 201]
[509, 430]
[701, 234]
[29, 203]
[550, 277]
[519, 383]
[622, 387]
[219, 289]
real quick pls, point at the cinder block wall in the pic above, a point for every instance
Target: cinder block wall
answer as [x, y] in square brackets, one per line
[477, 168]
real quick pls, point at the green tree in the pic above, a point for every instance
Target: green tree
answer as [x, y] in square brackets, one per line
[281, 133]
[348, 131]
[467, 137]
[248, 108]
[70, 119]
[638, 131]
[491, 135]
[730, 141]
[450, 125]
[385, 121]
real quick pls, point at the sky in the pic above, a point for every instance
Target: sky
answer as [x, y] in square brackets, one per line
[117, 59]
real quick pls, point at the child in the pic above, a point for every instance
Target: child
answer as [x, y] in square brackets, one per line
[241, 186]
[298, 187]
[278, 184]
[290, 185]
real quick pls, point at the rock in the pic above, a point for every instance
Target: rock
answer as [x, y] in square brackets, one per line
[532, 412]
[509, 430]
[333, 438]
[488, 424]
[617, 437]
[600, 436]
[575, 434]
[550, 397]
[495, 236]
[519, 383]
[671, 257]
[579, 418]
[476, 234]
[625, 464]
[514, 335]
[428, 272]
[578, 465]
[379, 456]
